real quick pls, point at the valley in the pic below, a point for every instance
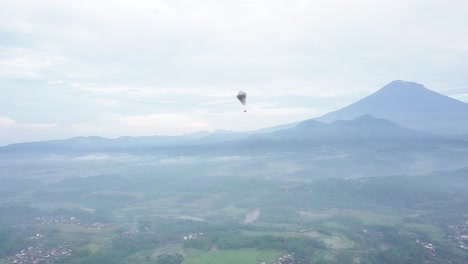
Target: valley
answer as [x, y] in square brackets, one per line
[359, 190]
[136, 217]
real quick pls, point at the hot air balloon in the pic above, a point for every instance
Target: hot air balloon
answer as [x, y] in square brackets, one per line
[242, 96]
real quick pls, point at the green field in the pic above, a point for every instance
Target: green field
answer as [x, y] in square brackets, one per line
[148, 220]
[244, 256]
[432, 231]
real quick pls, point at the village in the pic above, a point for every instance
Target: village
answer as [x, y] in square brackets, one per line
[41, 254]
[430, 248]
[459, 235]
[38, 254]
[51, 220]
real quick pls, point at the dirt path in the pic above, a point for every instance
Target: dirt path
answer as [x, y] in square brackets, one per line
[251, 216]
[335, 242]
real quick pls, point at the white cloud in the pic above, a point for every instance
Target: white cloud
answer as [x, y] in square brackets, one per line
[462, 97]
[22, 63]
[172, 66]
[97, 156]
[162, 123]
[6, 122]
[116, 125]
[12, 131]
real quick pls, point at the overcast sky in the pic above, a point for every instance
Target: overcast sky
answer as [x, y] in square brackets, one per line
[116, 67]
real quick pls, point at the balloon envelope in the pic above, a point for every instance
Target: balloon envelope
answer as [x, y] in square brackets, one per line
[242, 96]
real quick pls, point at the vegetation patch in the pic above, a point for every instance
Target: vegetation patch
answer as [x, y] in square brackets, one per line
[244, 256]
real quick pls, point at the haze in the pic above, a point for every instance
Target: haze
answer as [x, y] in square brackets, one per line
[116, 68]
[122, 140]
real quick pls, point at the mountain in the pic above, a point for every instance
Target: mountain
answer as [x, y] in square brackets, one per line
[410, 105]
[362, 147]
[310, 132]
[346, 143]
[363, 128]
[94, 144]
[128, 143]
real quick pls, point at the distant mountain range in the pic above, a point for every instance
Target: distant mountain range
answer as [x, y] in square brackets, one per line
[410, 105]
[356, 133]
[365, 127]
[398, 111]
[126, 143]
[403, 128]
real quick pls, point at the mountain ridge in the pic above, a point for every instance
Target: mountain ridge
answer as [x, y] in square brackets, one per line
[410, 105]
[392, 107]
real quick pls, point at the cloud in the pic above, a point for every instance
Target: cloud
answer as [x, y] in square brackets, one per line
[22, 63]
[188, 43]
[7, 123]
[167, 122]
[172, 66]
[13, 131]
[113, 125]
[116, 125]
[462, 97]
[96, 157]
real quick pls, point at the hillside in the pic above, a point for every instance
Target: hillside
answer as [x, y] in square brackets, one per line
[410, 105]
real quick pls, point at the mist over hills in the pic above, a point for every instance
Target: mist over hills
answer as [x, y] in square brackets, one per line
[363, 147]
[346, 181]
[397, 130]
[310, 132]
[97, 143]
[410, 105]
[393, 110]
[362, 128]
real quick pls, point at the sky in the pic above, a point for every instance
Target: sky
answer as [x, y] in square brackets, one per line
[116, 68]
